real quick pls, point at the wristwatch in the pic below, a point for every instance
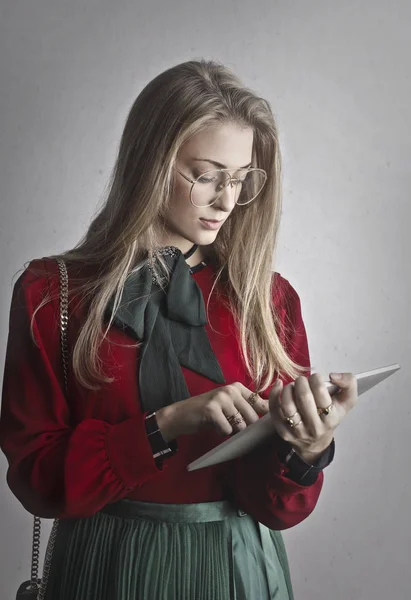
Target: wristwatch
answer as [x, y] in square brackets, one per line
[300, 471]
[161, 449]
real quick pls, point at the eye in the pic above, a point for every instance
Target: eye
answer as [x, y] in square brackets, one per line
[206, 179]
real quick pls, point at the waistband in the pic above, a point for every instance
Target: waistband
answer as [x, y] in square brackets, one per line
[202, 512]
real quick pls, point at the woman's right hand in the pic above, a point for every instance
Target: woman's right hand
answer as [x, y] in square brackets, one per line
[213, 408]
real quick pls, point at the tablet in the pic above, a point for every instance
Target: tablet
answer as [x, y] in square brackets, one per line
[250, 437]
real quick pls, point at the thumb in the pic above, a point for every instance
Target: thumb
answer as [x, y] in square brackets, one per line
[347, 382]
[339, 379]
[275, 393]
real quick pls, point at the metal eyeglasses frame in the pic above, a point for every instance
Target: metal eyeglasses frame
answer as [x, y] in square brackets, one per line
[235, 179]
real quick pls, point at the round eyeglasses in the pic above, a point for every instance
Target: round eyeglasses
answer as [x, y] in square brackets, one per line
[207, 188]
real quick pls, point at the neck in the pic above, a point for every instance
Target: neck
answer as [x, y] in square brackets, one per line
[185, 246]
[196, 257]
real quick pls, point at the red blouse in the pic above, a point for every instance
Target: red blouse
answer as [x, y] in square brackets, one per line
[69, 458]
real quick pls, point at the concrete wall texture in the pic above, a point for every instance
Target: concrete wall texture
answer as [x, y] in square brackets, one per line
[338, 77]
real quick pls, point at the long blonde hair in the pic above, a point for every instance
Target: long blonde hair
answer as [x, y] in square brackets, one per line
[176, 104]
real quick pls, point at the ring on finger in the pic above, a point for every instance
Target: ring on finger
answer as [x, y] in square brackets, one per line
[291, 416]
[326, 410]
[252, 399]
[235, 419]
[290, 419]
[291, 422]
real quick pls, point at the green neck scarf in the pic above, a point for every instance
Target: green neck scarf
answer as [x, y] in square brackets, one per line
[170, 323]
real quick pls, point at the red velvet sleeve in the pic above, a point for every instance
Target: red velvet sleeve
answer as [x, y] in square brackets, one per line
[56, 470]
[259, 482]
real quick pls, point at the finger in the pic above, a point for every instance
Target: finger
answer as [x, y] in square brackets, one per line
[306, 406]
[232, 409]
[277, 415]
[347, 395]
[243, 407]
[230, 421]
[343, 380]
[247, 411]
[220, 423]
[237, 421]
[260, 405]
[287, 404]
[322, 400]
[319, 390]
[223, 409]
[274, 398]
[289, 410]
[311, 394]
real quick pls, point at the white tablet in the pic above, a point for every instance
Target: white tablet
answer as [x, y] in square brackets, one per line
[245, 440]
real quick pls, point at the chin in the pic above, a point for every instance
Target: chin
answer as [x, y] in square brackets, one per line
[201, 238]
[205, 238]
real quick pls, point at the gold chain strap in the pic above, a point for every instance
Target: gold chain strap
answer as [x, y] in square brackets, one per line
[41, 589]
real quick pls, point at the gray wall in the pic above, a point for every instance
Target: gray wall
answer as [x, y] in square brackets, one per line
[338, 77]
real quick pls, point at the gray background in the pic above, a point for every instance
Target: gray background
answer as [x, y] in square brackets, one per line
[338, 77]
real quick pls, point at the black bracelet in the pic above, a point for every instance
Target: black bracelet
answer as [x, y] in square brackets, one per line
[161, 449]
[300, 471]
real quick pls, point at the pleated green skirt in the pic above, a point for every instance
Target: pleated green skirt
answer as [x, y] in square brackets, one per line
[145, 551]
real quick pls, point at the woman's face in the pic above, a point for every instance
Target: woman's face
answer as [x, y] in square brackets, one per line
[221, 146]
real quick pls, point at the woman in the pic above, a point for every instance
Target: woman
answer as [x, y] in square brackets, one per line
[178, 332]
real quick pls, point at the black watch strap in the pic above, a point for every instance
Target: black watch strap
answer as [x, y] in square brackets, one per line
[161, 449]
[300, 471]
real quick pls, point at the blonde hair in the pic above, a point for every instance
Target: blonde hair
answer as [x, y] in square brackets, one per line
[176, 104]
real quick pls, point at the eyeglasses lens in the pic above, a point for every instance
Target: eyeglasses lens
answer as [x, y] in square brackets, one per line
[245, 185]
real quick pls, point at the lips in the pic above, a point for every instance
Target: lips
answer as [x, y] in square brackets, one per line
[211, 223]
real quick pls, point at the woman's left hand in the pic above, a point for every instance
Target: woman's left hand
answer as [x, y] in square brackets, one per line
[312, 413]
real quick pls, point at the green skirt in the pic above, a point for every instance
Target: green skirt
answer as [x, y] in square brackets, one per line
[145, 551]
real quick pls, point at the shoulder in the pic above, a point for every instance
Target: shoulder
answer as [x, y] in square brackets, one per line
[42, 275]
[34, 282]
[33, 305]
[40, 281]
[284, 294]
[36, 293]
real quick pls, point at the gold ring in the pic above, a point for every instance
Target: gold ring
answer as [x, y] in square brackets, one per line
[326, 410]
[291, 422]
[252, 399]
[235, 419]
[292, 416]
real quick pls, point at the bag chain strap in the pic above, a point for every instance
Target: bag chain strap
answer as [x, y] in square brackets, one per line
[34, 582]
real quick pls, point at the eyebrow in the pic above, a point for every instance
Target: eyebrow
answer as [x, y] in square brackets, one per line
[219, 165]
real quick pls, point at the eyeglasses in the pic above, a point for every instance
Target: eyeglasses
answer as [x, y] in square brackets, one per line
[207, 188]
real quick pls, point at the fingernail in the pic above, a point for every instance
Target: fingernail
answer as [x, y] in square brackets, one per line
[336, 376]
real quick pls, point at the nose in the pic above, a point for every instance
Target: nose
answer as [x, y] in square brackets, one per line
[227, 200]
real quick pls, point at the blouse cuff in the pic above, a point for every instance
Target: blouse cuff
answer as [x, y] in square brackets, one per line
[129, 452]
[297, 469]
